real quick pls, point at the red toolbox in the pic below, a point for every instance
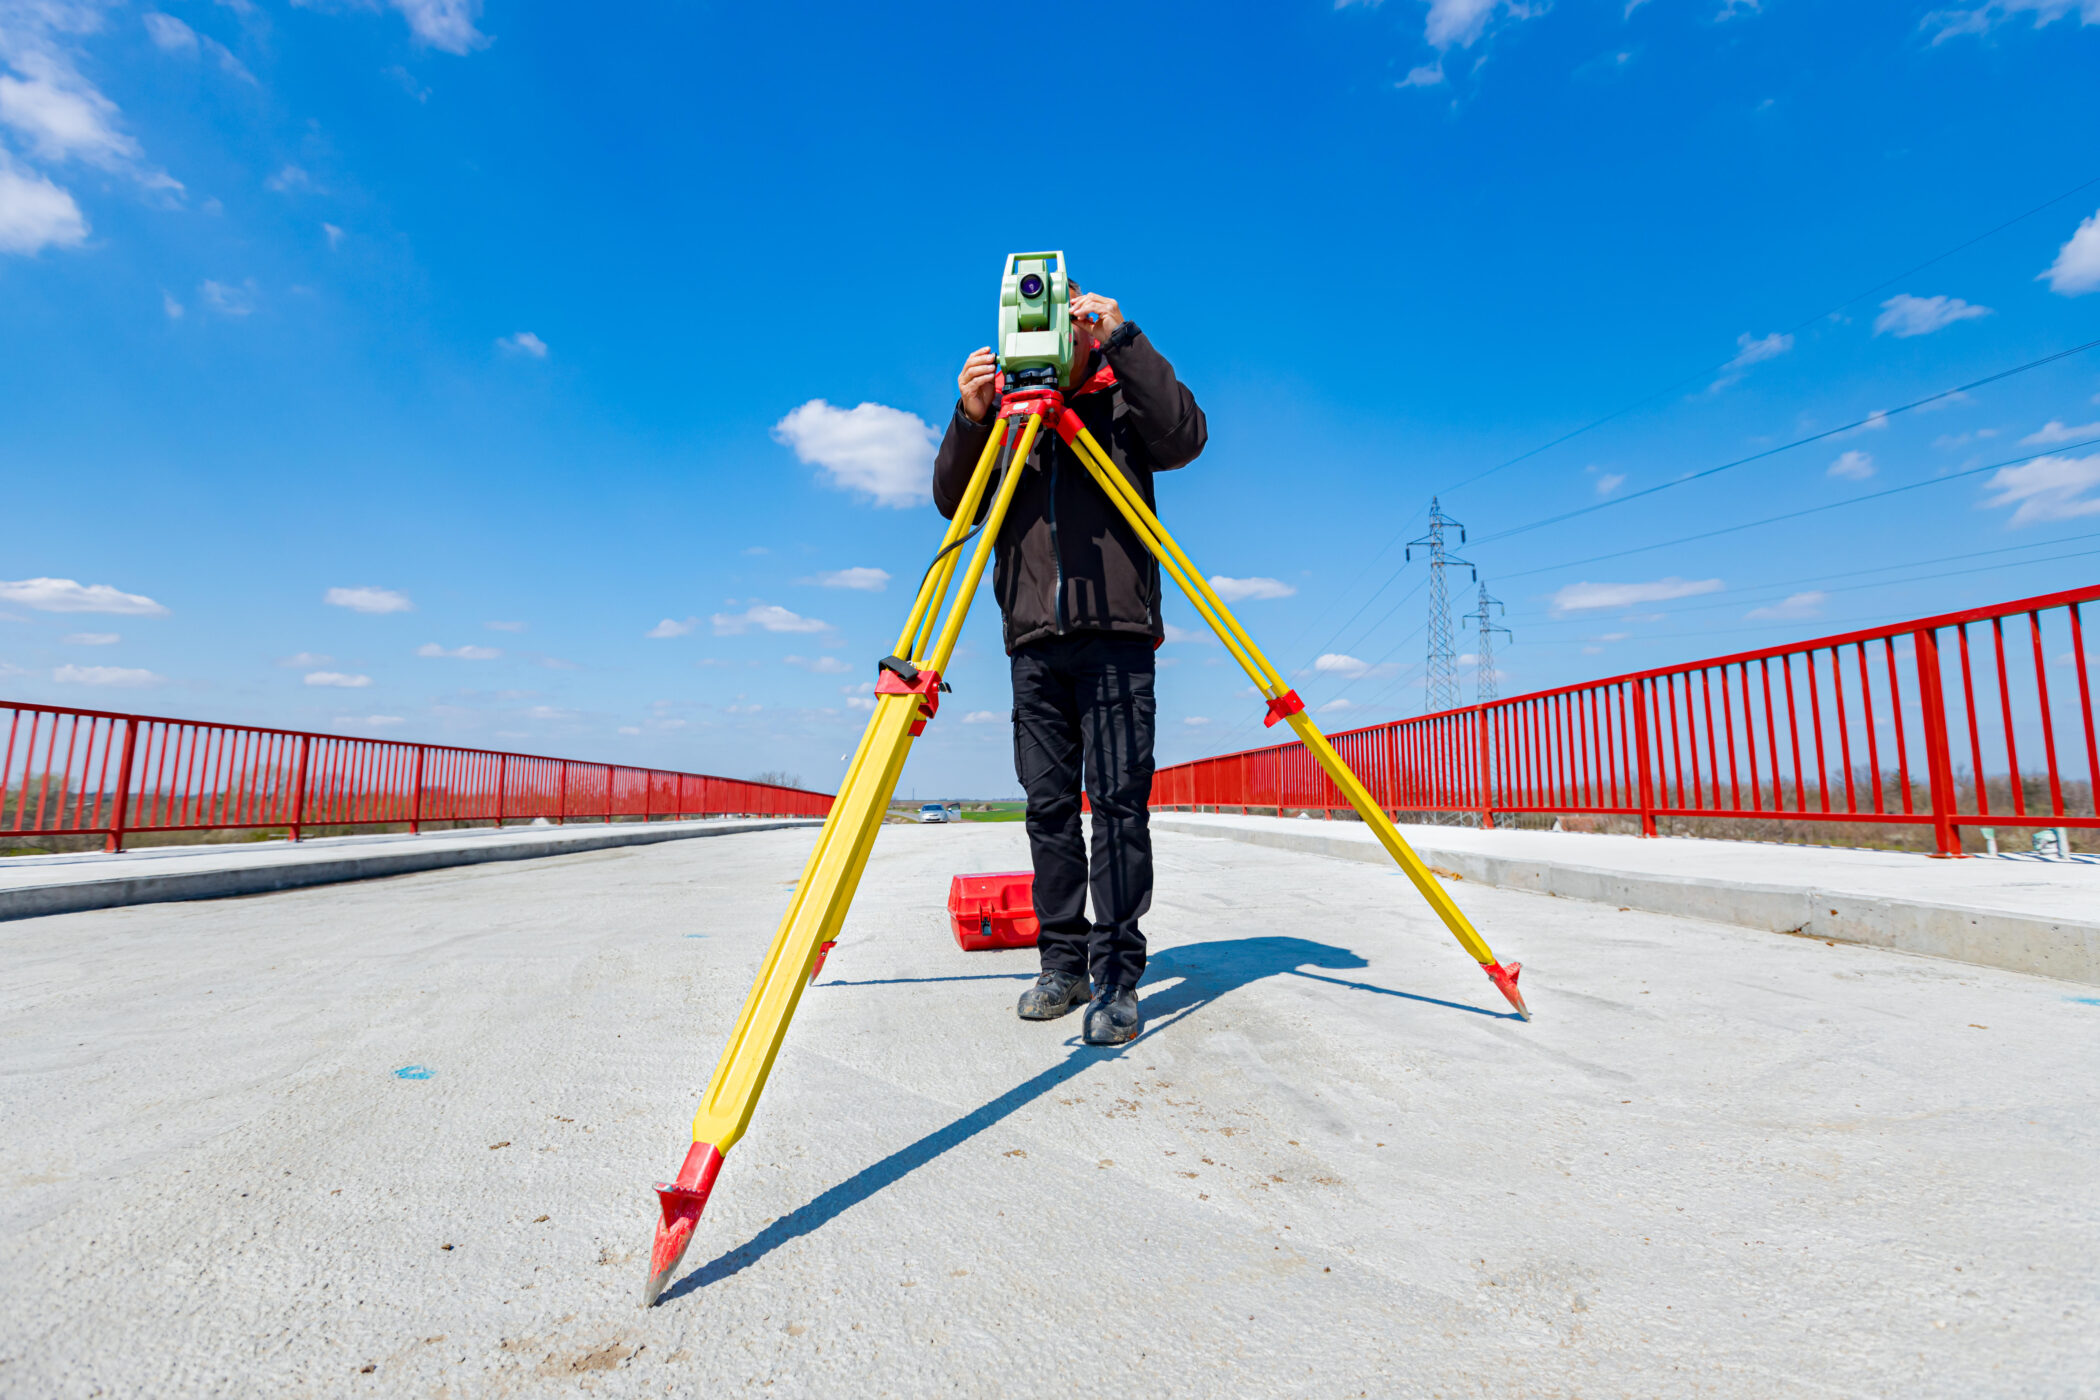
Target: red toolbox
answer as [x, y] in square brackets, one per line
[993, 911]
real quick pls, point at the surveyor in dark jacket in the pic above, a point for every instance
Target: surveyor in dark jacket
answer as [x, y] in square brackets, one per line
[1080, 596]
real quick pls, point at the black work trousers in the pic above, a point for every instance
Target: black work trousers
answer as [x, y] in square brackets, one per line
[1085, 700]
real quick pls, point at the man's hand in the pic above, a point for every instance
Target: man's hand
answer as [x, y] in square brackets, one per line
[975, 383]
[1099, 314]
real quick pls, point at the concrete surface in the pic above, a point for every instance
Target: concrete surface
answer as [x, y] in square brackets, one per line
[2021, 913]
[68, 884]
[1717, 1163]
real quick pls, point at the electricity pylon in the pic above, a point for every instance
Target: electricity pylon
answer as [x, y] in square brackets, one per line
[1440, 674]
[1484, 652]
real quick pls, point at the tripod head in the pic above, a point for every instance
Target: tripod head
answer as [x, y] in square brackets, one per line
[1035, 322]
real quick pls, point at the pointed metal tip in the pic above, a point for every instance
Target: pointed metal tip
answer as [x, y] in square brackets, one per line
[679, 1205]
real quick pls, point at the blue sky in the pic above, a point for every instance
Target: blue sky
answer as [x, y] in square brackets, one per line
[564, 380]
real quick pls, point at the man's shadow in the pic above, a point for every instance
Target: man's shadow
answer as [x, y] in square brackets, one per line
[1183, 981]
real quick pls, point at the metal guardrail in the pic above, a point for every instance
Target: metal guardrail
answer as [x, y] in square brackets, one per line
[67, 772]
[1926, 722]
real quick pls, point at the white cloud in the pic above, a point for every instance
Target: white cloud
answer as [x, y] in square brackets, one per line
[820, 665]
[2048, 488]
[64, 595]
[1610, 482]
[770, 617]
[1186, 634]
[504, 626]
[1428, 75]
[862, 578]
[523, 343]
[368, 600]
[1904, 315]
[1794, 606]
[338, 679]
[170, 33]
[2053, 432]
[34, 213]
[59, 114]
[2076, 270]
[630, 729]
[290, 178]
[1586, 597]
[672, 627]
[92, 639]
[171, 306]
[1462, 22]
[1335, 707]
[1982, 18]
[1752, 350]
[105, 675]
[469, 652]
[1196, 721]
[1234, 590]
[173, 36]
[334, 235]
[884, 453]
[366, 721]
[228, 301]
[549, 712]
[986, 717]
[1852, 466]
[307, 658]
[444, 24]
[1336, 663]
[756, 549]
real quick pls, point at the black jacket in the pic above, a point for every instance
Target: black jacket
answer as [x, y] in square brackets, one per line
[1067, 561]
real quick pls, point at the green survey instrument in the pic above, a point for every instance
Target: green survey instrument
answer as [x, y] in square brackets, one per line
[1037, 363]
[1035, 322]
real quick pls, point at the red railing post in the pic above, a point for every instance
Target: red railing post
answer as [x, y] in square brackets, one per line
[608, 794]
[1483, 769]
[121, 812]
[415, 812]
[299, 787]
[1641, 746]
[561, 803]
[1939, 767]
[502, 781]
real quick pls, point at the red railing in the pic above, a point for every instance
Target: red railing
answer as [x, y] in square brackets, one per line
[1978, 718]
[70, 772]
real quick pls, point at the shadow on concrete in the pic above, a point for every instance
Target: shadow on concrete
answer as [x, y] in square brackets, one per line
[1187, 979]
[905, 981]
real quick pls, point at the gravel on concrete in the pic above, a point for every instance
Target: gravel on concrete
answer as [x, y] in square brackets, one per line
[397, 1138]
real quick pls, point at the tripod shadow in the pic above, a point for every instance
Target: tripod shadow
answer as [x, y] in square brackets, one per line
[1186, 979]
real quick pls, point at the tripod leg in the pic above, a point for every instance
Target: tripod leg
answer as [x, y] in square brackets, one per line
[831, 875]
[1284, 701]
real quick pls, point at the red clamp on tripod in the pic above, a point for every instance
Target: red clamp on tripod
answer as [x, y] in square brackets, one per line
[922, 681]
[1282, 705]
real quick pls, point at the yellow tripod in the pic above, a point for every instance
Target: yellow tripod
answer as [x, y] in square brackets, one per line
[907, 695]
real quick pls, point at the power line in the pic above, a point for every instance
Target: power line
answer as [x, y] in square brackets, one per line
[1881, 286]
[1757, 592]
[1808, 510]
[1789, 446]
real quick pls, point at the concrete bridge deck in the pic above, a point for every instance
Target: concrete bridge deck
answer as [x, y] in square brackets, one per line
[396, 1138]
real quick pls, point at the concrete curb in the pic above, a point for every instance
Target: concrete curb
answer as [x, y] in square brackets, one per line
[76, 896]
[2057, 948]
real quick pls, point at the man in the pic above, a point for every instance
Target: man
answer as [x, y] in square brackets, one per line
[1080, 597]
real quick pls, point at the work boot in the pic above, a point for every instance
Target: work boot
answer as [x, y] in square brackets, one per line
[1053, 994]
[1112, 1019]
